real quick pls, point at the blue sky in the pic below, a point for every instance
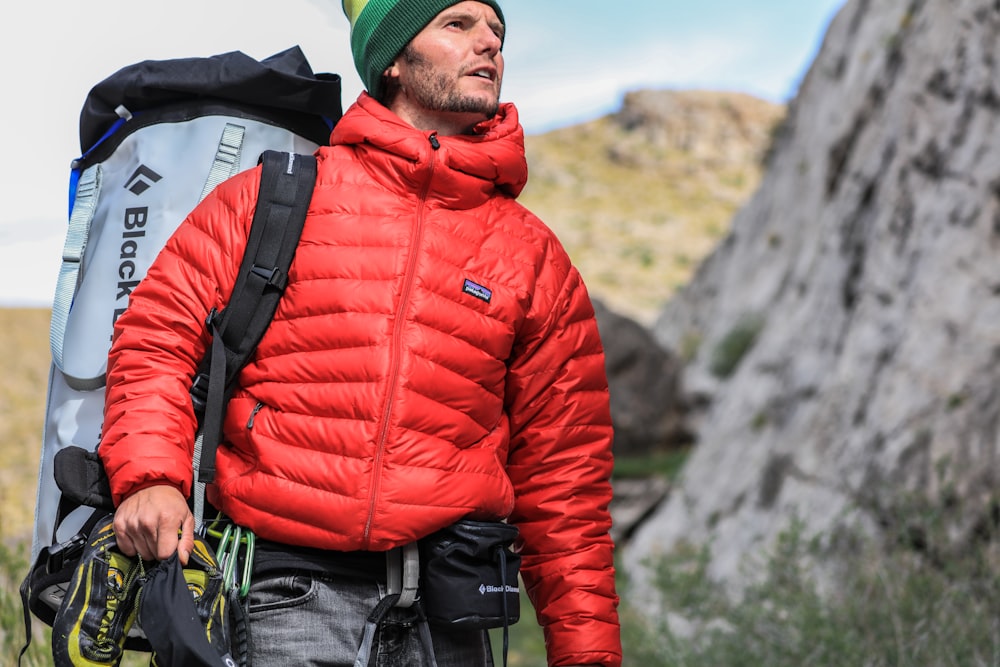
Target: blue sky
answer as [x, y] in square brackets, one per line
[567, 61]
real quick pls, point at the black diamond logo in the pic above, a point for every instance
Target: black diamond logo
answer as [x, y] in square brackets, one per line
[141, 180]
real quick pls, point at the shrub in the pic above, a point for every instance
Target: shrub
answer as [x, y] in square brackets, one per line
[891, 607]
[729, 352]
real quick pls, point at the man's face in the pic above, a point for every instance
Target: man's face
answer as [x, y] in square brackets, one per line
[452, 70]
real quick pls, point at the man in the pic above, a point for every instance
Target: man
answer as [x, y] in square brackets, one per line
[435, 356]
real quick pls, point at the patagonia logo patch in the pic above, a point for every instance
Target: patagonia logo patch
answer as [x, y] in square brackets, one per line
[477, 291]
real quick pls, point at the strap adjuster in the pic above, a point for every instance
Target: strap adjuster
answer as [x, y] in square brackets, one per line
[275, 277]
[199, 392]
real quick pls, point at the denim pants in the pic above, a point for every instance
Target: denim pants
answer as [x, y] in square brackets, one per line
[302, 619]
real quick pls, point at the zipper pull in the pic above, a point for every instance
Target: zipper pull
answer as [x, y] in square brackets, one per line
[435, 144]
[253, 414]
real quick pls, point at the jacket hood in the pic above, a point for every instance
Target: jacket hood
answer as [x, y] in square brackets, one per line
[476, 165]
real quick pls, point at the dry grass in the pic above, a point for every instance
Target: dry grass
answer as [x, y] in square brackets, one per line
[639, 207]
[24, 339]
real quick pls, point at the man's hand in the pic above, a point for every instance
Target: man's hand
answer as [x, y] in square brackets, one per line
[154, 523]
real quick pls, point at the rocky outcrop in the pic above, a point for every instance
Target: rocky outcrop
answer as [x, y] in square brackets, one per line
[866, 267]
[641, 196]
[712, 129]
[647, 404]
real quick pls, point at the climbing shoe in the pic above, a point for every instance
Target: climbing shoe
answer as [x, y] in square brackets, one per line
[100, 606]
[205, 582]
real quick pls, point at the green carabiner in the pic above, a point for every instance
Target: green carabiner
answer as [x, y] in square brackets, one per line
[248, 563]
[231, 540]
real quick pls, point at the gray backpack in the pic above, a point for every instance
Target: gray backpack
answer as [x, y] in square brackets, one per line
[156, 137]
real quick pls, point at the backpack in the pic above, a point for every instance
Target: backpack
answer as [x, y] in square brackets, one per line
[157, 137]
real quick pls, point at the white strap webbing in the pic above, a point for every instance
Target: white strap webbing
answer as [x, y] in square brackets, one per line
[227, 157]
[198, 488]
[84, 205]
[225, 165]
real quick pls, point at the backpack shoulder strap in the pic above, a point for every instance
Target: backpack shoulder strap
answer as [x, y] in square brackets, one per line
[286, 186]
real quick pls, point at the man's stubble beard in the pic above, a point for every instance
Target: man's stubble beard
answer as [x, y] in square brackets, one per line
[439, 93]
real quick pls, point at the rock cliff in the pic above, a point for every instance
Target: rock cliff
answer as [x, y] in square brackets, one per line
[847, 330]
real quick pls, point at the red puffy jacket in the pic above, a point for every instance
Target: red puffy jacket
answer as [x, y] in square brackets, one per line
[435, 356]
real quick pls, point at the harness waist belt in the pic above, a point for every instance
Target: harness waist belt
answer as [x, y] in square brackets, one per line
[274, 556]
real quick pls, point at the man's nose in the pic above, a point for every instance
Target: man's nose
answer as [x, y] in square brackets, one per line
[487, 41]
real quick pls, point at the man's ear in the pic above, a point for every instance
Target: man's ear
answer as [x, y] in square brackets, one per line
[390, 84]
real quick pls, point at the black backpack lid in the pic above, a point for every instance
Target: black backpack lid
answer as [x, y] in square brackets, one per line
[283, 82]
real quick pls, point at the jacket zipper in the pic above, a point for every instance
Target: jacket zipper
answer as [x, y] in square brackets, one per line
[397, 343]
[253, 414]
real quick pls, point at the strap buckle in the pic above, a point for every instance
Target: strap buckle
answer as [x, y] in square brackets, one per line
[274, 277]
[60, 554]
[403, 573]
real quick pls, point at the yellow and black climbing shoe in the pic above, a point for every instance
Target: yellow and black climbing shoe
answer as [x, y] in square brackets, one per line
[204, 579]
[100, 605]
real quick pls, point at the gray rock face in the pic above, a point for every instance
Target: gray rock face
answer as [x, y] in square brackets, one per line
[868, 261]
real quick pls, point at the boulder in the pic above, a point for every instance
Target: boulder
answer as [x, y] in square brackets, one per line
[647, 405]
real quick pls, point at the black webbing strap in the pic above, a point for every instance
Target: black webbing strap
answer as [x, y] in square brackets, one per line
[286, 185]
[375, 619]
[502, 554]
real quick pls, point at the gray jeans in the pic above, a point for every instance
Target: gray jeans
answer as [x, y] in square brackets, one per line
[307, 620]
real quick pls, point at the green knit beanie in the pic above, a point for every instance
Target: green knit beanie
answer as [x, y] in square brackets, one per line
[380, 29]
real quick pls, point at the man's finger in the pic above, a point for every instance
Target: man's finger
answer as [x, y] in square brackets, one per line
[124, 542]
[186, 544]
[167, 539]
